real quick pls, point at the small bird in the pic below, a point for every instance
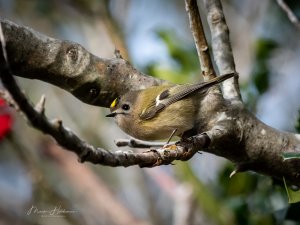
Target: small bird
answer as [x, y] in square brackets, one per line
[157, 112]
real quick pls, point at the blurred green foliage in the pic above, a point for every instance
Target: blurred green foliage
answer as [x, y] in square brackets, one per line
[205, 198]
[260, 72]
[264, 48]
[297, 126]
[185, 65]
[293, 192]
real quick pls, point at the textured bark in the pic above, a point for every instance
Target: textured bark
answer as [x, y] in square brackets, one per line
[253, 145]
[68, 65]
[221, 48]
[234, 132]
[200, 40]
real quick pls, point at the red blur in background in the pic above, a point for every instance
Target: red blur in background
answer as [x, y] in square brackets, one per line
[5, 119]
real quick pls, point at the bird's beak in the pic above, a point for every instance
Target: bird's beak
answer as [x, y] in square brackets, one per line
[113, 114]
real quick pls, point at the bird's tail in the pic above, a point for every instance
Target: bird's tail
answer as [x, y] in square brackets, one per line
[219, 79]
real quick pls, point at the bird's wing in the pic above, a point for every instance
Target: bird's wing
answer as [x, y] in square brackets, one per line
[176, 93]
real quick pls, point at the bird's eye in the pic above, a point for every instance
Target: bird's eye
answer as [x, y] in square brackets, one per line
[125, 107]
[93, 93]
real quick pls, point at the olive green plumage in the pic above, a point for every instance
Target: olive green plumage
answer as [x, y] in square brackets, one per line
[154, 113]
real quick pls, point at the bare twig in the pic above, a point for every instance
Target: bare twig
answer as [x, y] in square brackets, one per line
[200, 40]
[134, 143]
[40, 106]
[292, 17]
[222, 50]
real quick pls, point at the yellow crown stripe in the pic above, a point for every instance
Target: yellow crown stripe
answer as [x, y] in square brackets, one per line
[114, 103]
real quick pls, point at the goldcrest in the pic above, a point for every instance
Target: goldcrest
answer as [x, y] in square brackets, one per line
[154, 113]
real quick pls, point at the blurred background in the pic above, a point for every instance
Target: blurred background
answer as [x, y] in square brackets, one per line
[42, 184]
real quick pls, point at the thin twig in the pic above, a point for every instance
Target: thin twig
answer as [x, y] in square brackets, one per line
[292, 17]
[200, 40]
[40, 106]
[134, 143]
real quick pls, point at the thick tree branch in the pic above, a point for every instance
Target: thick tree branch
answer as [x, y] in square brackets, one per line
[68, 65]
[252, 145]
[221, 48]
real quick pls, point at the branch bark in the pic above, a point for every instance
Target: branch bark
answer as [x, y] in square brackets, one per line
[221, 49]
[200, 40]
[65, 64]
